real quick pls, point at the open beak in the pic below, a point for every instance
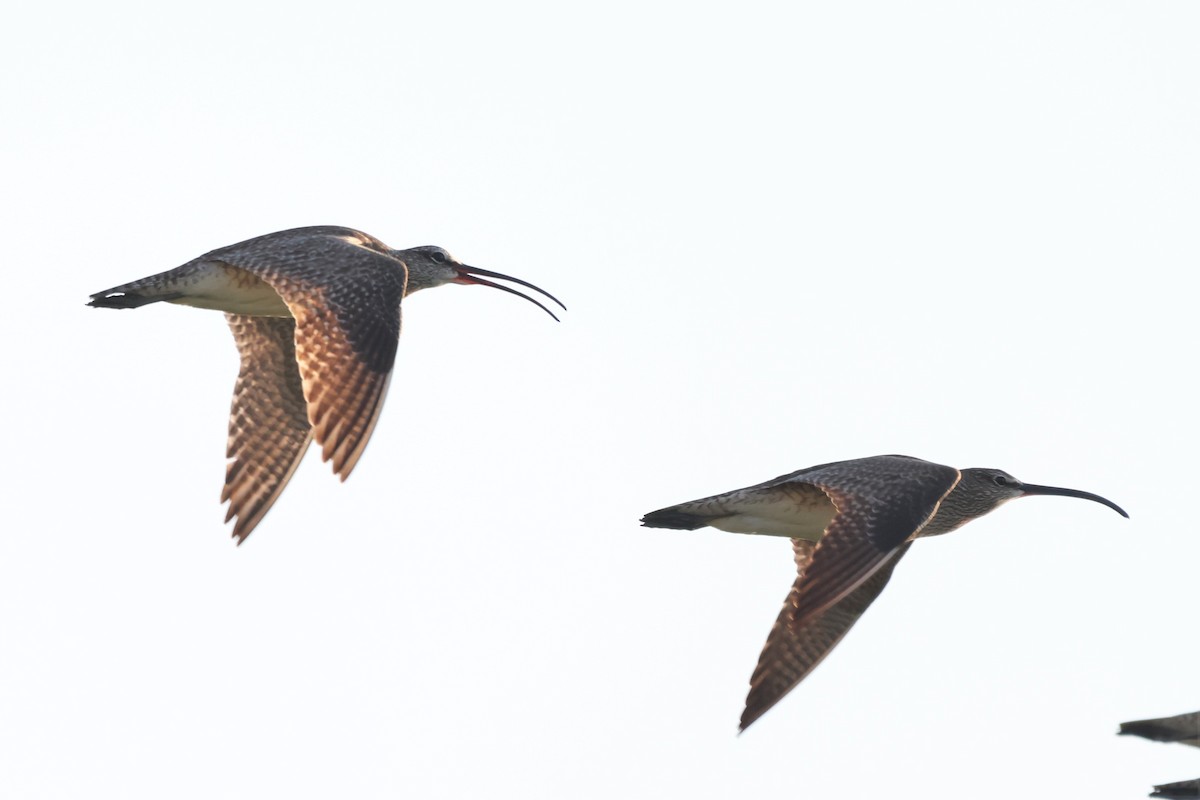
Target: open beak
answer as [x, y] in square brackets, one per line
[1033, 488]
[472, 275]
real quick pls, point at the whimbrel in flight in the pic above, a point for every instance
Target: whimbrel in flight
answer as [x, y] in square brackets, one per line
[315, 314]
[850, 522]
[1184, 729]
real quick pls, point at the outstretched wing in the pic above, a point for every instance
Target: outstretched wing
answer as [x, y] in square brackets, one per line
[268, 423]
[850, 522]
[881, 502]
[793, 651]
[344, 290]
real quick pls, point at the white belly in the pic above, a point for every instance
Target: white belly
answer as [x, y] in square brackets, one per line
[792, 525]
[229, 289]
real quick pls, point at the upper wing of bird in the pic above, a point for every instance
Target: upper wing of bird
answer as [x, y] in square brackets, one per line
[344, 291]
[850, 522]
[268, 423]
[794, 650]
[881, 503]
[861, 511]
[1184, 728]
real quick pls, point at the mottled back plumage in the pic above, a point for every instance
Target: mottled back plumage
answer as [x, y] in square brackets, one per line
[315, 313]
[850, 523]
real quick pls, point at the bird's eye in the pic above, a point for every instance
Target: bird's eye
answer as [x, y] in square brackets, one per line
[438, 257]
[1000, 480]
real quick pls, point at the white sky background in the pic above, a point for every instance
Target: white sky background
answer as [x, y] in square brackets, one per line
[786, 235]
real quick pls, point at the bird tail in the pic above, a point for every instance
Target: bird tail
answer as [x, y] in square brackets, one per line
[675, 517]
[130, 295]
[1184, 728]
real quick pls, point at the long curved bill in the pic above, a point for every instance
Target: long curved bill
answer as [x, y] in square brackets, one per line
[471, 275]
[1033, 488]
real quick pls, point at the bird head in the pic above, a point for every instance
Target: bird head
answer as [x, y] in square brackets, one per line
[430, 266]
[982, 489]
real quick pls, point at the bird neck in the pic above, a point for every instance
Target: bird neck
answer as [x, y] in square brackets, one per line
[957, 508]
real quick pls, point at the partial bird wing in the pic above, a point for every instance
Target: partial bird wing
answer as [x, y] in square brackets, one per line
[268, 423]
[793, 651]
[344, 291]
[881, 502]
[1184, 729]
[1182, 790]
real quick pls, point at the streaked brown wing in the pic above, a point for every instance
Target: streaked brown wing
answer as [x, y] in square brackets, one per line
[344, 291]
[881, 503]
[343, 385]
[268, 423]
[793, 651]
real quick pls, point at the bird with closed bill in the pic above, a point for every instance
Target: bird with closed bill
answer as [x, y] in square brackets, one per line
[315, 314]
[850, 522]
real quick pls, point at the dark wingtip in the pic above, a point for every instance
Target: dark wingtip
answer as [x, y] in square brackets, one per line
[751, 715]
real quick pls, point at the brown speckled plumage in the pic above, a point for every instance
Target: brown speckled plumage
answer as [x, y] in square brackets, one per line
[850, 523]
[794, 647]
[269, 429]
[315, 313]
